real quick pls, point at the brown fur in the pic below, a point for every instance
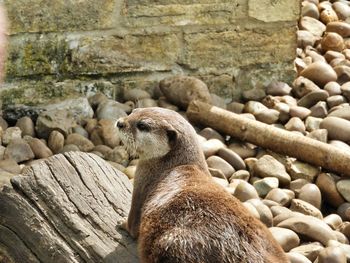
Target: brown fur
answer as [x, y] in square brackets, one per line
[178, 213]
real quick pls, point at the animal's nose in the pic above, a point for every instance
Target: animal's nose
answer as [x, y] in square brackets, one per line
[121, 124]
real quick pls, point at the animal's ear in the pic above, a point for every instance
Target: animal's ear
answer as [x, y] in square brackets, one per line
[172, 136]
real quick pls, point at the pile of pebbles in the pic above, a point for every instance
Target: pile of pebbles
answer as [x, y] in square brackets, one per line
[306, 208]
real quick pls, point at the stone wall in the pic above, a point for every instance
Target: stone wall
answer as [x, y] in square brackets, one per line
[60, 47]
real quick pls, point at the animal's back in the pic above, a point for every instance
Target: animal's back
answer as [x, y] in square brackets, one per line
[196, 221]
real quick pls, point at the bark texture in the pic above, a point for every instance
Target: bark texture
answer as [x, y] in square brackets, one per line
[267, 136]
[66, 209]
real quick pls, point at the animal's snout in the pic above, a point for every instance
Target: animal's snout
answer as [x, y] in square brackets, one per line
[121, 124]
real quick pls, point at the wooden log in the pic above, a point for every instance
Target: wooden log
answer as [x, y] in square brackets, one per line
[269, 137]
[66, 209]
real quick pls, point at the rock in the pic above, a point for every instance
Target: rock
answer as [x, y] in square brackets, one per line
[268, 116]
[303, 86]
[107, 133]
[305, 208]
[333, 220]
[338, 129]
[343, 187]
[218, 101]
[10, 166]
[345, 89]
[2, 152]
[119, 155]
[319, 110]
[342, 9]
[254, 107]
[279, 196]
[267, 166]
[320, 73]
[343, 73]
[335, 100]
[332, 255]
[345, 248]
[277, 88]
[344, 211]
[240, 174]
[130, 171]
[339, 144]
[332, 41]
[235, 107]
[97, 99]
[26, 125]
[146, 103]
[309, 9]
[162, 102]
[55, 141]
[217, 173]
[221, 182]
[210, 133]
[328, 15]
[245, 191]
[312, 25]
[60, 120]
[243, 150]
[265, 214]
[103, 149]
[110, 109]
[79, 109]
[232, 158]
[311, 194]
[312, 123]
[285, 237]
[18, 150]
[181, 90]
[345, 229]
[341, 28]
[320, 135]
[300, 112]
[80, 130]
[10, 134]
[265, 185]
[216, 162]
[310, 250]
[3, 124]
[343, 112]
[136, 94]
[211, 147]
[39, 149]
[327, 186]
[296, 257]
[255, 94]
[310, 227]
[83, 143]
[90, 125]
[69, 148]
[300, 170]
[295, 124]
[329, 56]
[297, 184]
[305, 38]
[312, 98]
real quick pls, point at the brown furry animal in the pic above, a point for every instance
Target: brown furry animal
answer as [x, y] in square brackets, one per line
[178, 213]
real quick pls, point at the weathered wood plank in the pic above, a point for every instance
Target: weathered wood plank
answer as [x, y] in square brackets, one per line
[79, 198]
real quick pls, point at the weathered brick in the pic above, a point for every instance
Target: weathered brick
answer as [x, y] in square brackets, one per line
[88, 55]
[59, 15]
[222, 12]
[36, 55]
[274, 10]
[239, 48]
[132, 53]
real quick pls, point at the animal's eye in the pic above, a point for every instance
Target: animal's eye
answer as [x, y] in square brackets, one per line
[142, 126]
